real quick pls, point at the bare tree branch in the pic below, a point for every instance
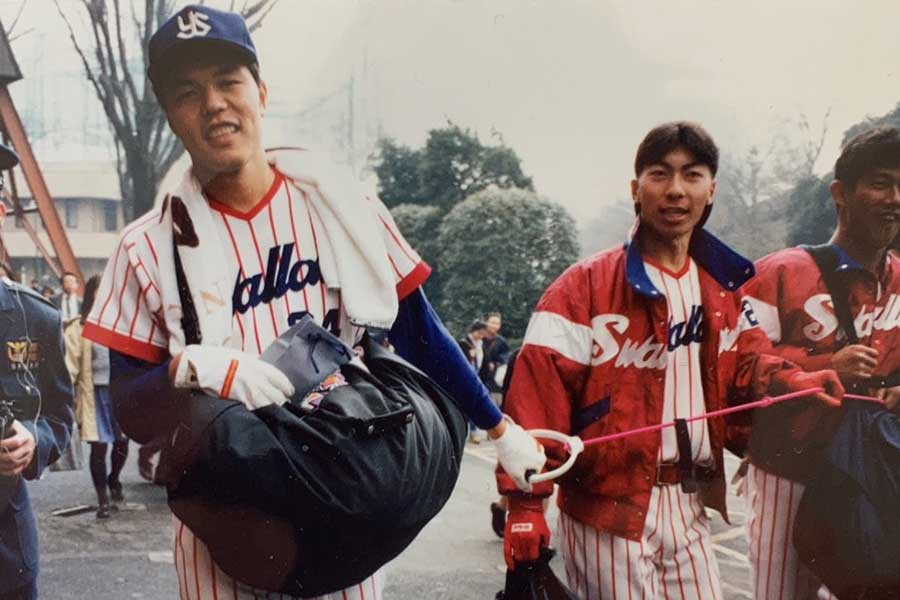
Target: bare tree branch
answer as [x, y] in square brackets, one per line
[10, 31]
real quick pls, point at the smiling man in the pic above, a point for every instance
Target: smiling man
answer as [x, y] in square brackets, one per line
[655, 331]
[794, 307]
[249, 243]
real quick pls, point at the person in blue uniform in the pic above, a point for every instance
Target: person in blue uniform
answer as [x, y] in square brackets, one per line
[35, 418]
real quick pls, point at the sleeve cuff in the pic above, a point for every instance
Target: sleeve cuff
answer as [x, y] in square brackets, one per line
[124, 344]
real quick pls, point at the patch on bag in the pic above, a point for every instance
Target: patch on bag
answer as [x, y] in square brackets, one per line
[313, 399]
[23, 354]
[521, 527]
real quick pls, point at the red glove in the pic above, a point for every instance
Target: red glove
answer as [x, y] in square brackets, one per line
[526, 530]
[829, 380]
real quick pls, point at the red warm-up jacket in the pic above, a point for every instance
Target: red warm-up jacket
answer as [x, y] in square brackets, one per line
[593, 363]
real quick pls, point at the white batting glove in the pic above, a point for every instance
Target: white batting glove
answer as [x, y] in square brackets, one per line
[232, 374]
[518, 453]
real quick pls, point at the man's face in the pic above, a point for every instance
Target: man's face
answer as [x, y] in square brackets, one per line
[673, 194]
[494, 324]
[216, 111]
[69, 284]
[871, 210]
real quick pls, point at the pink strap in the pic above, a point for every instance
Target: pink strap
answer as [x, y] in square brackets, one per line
[766, 401]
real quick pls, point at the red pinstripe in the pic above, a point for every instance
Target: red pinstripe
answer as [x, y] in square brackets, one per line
[262, 269]
[212, 570]
[196, 571]
[684, 527]
[243, 274]
[297, 241]
[587, 583]
[759, 537]
[612, 564]
[312, 227]
[121, 294]
[287, 301]
[394, 235]
[774, 515]
[599, 571]
[152, 248]
[674, 540]
[112, 288]
[698, 510]
[137, 311]
[182, 585]
[786, 548]
[183, 560]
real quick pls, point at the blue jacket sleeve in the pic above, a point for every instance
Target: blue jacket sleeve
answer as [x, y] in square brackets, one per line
[420, 337]
[144, 400]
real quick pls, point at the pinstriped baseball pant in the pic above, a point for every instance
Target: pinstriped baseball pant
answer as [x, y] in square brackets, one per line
[673, 559]
[775, 569]
[199, 578]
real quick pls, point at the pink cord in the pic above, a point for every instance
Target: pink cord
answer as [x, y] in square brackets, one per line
[766, 401]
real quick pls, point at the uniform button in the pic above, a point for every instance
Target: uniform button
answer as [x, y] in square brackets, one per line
[659, 380]
[721, 294]
[718, 313]
[877, 341]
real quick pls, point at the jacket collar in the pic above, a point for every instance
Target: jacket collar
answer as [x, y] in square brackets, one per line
[727, 267]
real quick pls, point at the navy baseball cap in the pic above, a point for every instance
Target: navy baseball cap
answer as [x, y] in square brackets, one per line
[194, 25]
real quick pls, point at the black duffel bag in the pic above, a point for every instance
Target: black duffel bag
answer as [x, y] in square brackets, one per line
[310, 502]
[847, 529]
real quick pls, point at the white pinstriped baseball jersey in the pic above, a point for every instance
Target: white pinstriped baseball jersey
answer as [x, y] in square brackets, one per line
[673, 559]
[272, 252]
[684, 391]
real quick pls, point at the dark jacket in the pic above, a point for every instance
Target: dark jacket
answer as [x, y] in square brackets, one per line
[496, 353]
[31, 330]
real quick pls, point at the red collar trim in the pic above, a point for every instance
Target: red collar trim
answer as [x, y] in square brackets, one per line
[248, 215]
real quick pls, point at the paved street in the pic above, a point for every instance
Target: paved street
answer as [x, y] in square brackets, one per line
[129, 556]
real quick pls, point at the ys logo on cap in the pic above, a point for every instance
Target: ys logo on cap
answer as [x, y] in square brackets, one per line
[195, 26]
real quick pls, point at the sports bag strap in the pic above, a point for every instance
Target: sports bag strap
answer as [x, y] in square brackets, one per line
[189, 321]
[827, 261]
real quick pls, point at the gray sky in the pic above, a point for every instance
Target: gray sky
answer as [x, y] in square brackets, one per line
[573, 85]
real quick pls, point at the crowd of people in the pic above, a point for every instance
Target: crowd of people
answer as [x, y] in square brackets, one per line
[666, 328]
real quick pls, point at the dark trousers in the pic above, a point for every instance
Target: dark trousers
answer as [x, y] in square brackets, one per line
[29, 592]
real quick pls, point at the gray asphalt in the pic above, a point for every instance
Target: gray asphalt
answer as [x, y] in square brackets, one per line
[456, 556]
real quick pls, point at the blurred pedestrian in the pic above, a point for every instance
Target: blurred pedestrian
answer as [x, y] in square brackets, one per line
[473, 349]
[49, 294]
[472, 345]
[88, 364]
[496, 355]
[68, 301]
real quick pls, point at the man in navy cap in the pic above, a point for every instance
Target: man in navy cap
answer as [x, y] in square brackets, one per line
[262, 239]
[35, 417]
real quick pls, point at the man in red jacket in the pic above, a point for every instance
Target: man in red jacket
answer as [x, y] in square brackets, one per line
[653, 331]
[792, 303]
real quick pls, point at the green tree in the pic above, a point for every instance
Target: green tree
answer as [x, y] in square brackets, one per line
[499, 250]
[452, 165]
[397, 169]
[419, 225]
[812, 215]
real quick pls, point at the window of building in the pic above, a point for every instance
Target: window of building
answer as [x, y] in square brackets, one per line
[111, 216]
[71, 208]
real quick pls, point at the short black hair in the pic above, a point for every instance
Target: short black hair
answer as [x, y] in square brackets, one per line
[211, 52]
[667, 137]
[876, 148]
[477, 325]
